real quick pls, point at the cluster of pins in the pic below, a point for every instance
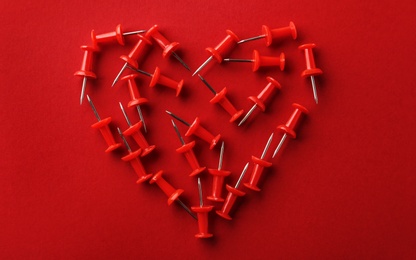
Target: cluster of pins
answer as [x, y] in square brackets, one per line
[146, 38]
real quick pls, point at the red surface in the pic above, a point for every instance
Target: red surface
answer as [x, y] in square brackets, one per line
[344, 188]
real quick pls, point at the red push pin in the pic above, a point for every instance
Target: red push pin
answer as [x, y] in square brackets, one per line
[133, 158]
[259, 165]
[186, 150]
[196, 129]
[289, 127]
[233, 193]
[136, 100]
[115, 36]
[102, 125]
[311, 70]
[202, 213]
[274, 34]
[131, 59]
[222, 99]
[218, 176]
[159, 79]
[262, 97]
[263, 61]
[168, 48]
[86, 69]
[223, 48]
[134, 131]
[172, 193]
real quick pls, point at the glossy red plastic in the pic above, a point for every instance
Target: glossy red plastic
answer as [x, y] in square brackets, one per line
[196, 129]
[202, 214]
[86, 67]
[217, 183]
[167, 47]
[265, 93]
[134, 131]
[311, 69]
[232, 195]
[138, 50]
[187, 151]
[259, 165]
[223, 101]
[279, 33]
[115, 36]
[133, 158]
[106, 133]
[292, 122]
[268, 61]
[224, 47]
[159, 79]
[135, 97]
[170, 191]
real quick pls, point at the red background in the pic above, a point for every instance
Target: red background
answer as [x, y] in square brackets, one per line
[344, 188]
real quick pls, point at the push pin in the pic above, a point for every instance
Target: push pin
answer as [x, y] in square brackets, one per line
[223, 48]
[136, 100]
[131, 59]
[133, 158]
[168, 48]
[262, 97]
[202, 213]
[196, 129]
[186, 150]
[86, 69]
[172, 193]
[311, 70]
[218, 176]
[263, 61]
[102, 125]
[157, 78]
[114, 36]
[259, 165]
[222, 99]
[274, 34]
[233, 193]
[134, 131]
[289, 127]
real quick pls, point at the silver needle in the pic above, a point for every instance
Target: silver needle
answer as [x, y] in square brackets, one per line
[202, 66]
[279, 145]
[84, 84]
[241, 176]
[93, 108]
[248, 114]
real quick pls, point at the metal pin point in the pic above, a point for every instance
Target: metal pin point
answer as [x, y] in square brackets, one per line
[266, 148]
[247, 115]
[140, 71]
[241, 176]
[252, 39]
[221, 156]
[279, 145]
[93, 108]
[238, 60]
[181, 61]
[84, 84]
[141, 118]
[178, 118]
[186, 208]
[119, 74]
[201, 202]
[315, 94]
[207, 84]
[177, 132]
[133, 32]
[124, 140]
[202, 66]
[124, 113]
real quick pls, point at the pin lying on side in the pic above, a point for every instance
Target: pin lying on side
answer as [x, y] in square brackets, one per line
[263, 61]
[157, 78]
[134, 131]
[259, 165]
[233, 193]
[172, 193]
[102, 125]
[86, 69]
[222, 100]
[274, 34]
[261, 98]
[218, 176]
[133, 159]
[289, 127]
[222, 49]
[132, 58]
[168, 48]
[186, 150]
[115, 36]
[197, 129]
[311, 69]
[202, 213]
